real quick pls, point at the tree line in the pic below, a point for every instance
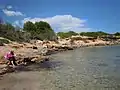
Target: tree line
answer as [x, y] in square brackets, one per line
[89, 34]
[42, 31]
[39, 30]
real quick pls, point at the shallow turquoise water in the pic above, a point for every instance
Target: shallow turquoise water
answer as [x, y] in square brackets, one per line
[95, 68]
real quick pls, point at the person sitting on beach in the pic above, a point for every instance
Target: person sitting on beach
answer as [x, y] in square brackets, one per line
[11, 57]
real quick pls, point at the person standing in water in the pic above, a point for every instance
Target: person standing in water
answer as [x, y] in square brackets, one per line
[11, 57]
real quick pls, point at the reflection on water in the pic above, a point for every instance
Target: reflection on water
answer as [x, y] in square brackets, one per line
[80, 69]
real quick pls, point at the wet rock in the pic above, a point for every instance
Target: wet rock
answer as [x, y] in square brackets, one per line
[46, 59]
[27, 60]
[6, 69]
[41, 61]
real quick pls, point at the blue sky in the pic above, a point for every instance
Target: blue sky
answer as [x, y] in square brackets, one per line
[65, 15]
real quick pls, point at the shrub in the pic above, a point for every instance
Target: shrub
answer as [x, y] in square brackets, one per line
[2, 41]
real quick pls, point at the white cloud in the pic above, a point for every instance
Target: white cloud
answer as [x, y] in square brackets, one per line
[62, 23]
[12, 13]
[9, 7]
[17, 23]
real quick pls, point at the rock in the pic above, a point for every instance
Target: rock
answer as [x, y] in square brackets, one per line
[28, 45]
[2, 72]
[7, 69]
[34, 59]
[16, 45]
[41, 61]
[2, 62]
[34, 47]
[26, 59]
[46, 59]
[1, 44]
[3, 66]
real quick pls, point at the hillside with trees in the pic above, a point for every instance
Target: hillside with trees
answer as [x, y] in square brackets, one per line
[94, 34]
[89, 34]
[8, 31]
[67, 34]
[40, 30]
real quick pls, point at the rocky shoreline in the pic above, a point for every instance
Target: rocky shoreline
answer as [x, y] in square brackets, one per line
[39, 51]
[60, 48]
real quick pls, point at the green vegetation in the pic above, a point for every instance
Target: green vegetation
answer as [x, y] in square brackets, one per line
[3, 41]
[40, 30]
[67, 34]
[117, 34]
[8, 31]
[94, 34]
[89, 34]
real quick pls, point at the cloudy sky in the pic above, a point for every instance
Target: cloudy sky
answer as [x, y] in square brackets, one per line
[64, 15]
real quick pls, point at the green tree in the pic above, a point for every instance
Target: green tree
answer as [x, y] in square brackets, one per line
[67, 34]
[70, 33]
[117, 34]
[10, 32]
[40, 30]
[29, 27]
[9, 27]
[93, 34]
